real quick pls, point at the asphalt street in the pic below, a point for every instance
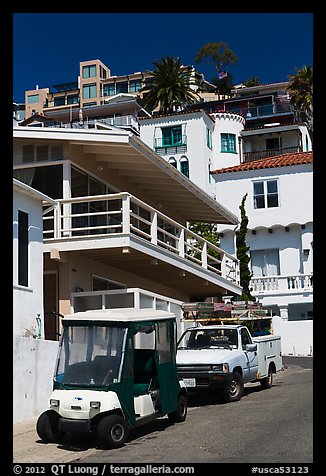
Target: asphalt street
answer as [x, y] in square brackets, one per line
[265, 426]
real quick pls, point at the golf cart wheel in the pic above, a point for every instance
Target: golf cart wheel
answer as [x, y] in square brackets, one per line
[234, 391]
[181, 412]
[267, 382]
[47, 427]
[112, 431]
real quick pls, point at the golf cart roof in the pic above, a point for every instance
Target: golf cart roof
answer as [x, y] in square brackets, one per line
[127, 315]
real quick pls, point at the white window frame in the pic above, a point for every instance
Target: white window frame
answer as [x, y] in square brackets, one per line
[264, 181]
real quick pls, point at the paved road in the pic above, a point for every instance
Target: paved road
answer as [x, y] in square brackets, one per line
[265, 426]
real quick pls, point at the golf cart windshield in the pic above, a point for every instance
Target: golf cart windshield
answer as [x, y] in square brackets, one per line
[90, 355]
[209, 338]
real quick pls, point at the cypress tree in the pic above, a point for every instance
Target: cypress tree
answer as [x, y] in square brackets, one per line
[242, 254]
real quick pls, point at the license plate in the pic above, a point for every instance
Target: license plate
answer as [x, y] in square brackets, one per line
[190, 382]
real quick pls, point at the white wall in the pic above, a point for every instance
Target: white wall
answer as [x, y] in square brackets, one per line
[226, 123]
[199, 155]
[28, 301]
[295, 194]
[296, 336]
[33, 363]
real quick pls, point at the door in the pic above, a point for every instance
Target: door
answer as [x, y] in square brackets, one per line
[251, 364]
[51, 305]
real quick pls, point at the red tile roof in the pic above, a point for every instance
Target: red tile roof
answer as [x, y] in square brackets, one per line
[283, 160]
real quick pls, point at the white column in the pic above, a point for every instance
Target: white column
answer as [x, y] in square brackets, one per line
[126, 214]
[154, 228]
[284, 312]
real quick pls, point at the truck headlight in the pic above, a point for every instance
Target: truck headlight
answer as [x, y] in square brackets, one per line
[221, 368]
[95, 404]
[54, 402]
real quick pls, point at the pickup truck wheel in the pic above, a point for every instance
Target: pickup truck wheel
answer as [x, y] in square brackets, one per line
[267, 382]
[181, 412]
[234, 391]
[112, 431]
[47, 427]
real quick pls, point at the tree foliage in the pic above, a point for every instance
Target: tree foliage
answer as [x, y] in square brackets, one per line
[301, 94]
[242, 253]
[217, 54]
[171, 86]
[250, 82]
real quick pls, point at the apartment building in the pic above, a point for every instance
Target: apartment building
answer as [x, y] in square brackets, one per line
[94, 86]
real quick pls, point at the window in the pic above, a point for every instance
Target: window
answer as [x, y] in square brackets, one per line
[33, 98]
[22, 248]
[102, 72]
[89, 91]
[228, 143]
[266, 194]
[173, 162]
[108, 89]
[122, 87]
[272, 143]
[103, 284]
[59, 101]
[73, 99]
[184, 166]
[89, 71]
[245, 338]
[28, 154]
[135, 85]
[209, 138]
[171, 136]
[265, 262]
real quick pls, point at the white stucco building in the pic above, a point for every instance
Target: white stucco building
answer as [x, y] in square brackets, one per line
[28, 259]
[195, 142]
[279, 207]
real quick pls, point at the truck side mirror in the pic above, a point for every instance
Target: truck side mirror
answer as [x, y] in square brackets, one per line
[250, 347]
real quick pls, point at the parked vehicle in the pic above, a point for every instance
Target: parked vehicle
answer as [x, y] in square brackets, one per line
[225, 357]
[115, 370]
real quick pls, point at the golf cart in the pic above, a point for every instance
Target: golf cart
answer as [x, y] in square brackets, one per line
[115, 370]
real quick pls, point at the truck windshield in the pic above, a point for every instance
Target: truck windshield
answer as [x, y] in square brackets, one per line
[90, 355]
[209, 338]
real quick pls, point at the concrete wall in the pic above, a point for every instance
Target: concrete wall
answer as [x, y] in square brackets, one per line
[33, 363]
[297, 336]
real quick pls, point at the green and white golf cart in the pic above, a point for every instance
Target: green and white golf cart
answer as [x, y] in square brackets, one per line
[116, 369]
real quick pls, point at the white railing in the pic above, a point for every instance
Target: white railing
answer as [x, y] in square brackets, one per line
[295, 283]
[123, 214]
[123, 298]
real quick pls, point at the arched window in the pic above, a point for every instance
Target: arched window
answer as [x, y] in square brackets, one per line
[173, 162]
[184, 166]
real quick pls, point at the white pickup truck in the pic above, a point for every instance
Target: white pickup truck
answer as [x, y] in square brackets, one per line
[225, 357]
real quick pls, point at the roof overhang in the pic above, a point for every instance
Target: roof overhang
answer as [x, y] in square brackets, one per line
[138, 165]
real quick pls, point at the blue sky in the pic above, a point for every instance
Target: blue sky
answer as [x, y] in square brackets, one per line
[268, 45]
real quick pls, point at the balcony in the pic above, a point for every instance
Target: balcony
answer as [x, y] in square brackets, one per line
[264, 154]
[265, 110]
[293, 284]
[121, 222]
[170, 145]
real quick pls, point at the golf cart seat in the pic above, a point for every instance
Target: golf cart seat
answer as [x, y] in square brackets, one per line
[145, 373]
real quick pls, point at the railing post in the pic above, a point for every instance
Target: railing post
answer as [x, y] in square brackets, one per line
[126, 214]
[223, 266]
[204, 255]
[181, 246]
[154, 227]
[57, 221]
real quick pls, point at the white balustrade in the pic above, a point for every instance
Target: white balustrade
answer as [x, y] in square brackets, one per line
[122, 213]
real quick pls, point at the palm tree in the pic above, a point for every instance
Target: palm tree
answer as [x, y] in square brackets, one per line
[170, 86]
[301, 94]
